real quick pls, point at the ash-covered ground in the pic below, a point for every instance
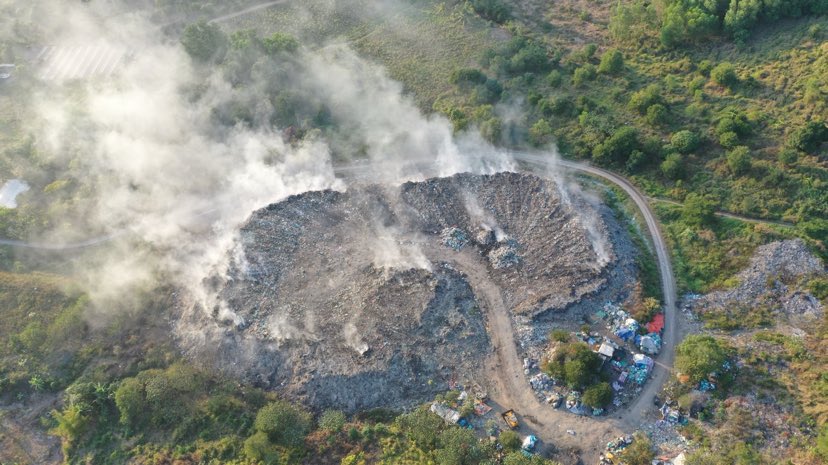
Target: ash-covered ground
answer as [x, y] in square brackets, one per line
[362, 298]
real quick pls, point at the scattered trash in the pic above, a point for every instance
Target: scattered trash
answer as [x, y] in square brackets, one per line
[448, 415]
[454, 238]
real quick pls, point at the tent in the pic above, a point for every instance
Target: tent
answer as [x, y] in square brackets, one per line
[657, 325]
[643, 360]
[606, 350]
[648, 345]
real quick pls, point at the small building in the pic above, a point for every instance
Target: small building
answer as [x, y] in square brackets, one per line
[606, 350]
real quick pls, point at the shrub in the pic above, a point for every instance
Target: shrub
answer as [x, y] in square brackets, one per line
[673, 166]
[729, 140]
[809, 137]
[332, 420]
[612, 62]
[644, 98]
[656, 114]
[468, 75]
[204, 42]
[738, 160]
[583, 74]
[684, 141]
[279, 42]
[724, 74]
[559, 335]
[699, 210]
[493, 10]
[283, 423]
[510, 440]
[554, 78]
[259, 447]
[700, 355]
[788, 156]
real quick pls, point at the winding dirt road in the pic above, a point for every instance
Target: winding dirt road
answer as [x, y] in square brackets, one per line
[510, 388]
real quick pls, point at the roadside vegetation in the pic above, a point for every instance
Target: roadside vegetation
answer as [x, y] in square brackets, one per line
[714, 105]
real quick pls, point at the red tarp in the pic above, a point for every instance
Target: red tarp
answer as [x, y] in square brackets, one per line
[657, 324]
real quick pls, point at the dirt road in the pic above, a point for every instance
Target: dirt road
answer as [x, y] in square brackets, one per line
[507, 384]
[674, 326]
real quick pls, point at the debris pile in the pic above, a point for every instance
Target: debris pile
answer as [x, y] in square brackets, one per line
[454, 238]
[765, 283]
[505, 255]
[350, 300]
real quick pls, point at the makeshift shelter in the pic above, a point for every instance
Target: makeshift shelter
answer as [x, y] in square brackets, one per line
[657, 325]
[648, 345]
[606, 350]
[448, 415]
[643, 360]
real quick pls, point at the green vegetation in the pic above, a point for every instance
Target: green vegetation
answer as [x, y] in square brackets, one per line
[640, 452]
[575, 364]
[699, 356]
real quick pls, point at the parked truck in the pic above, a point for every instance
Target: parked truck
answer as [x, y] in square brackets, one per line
[510, 418]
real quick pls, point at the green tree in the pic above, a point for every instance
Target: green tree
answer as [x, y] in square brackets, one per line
[646, 97]
[612, 62]
[540, 132]
[656, 114]
[673, 166]
[259, 447]
[738, 160]
[809, 137]
[283, 423]
[598, 395]
[684, 141]
[129, 398]
[421, 426]
[583, 74]
[575, 364]
[280, 42]
[71, 422]
[332, 420]
[700, 355]
[204, 42]
[724, 74]
[459, 446]
[617, 147]
[699, 210]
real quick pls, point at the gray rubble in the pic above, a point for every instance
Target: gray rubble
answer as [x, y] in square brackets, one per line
[340, 298]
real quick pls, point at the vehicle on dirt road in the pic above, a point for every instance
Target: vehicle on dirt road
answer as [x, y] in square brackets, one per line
[510, 417]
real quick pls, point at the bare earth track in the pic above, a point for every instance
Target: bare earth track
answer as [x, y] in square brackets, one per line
[511, 389]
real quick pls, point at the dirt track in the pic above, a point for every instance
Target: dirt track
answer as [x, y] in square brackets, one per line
[508, 387]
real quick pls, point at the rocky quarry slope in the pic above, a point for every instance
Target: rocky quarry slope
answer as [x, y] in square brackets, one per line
[359, 299]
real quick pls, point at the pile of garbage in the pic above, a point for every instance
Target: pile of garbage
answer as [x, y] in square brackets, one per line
[454, 237]
[541, 382]
[617, 445]
[649, 344]
[505, 256]
[671, 415]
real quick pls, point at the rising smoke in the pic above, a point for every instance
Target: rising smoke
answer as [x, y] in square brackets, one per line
[159, 165]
